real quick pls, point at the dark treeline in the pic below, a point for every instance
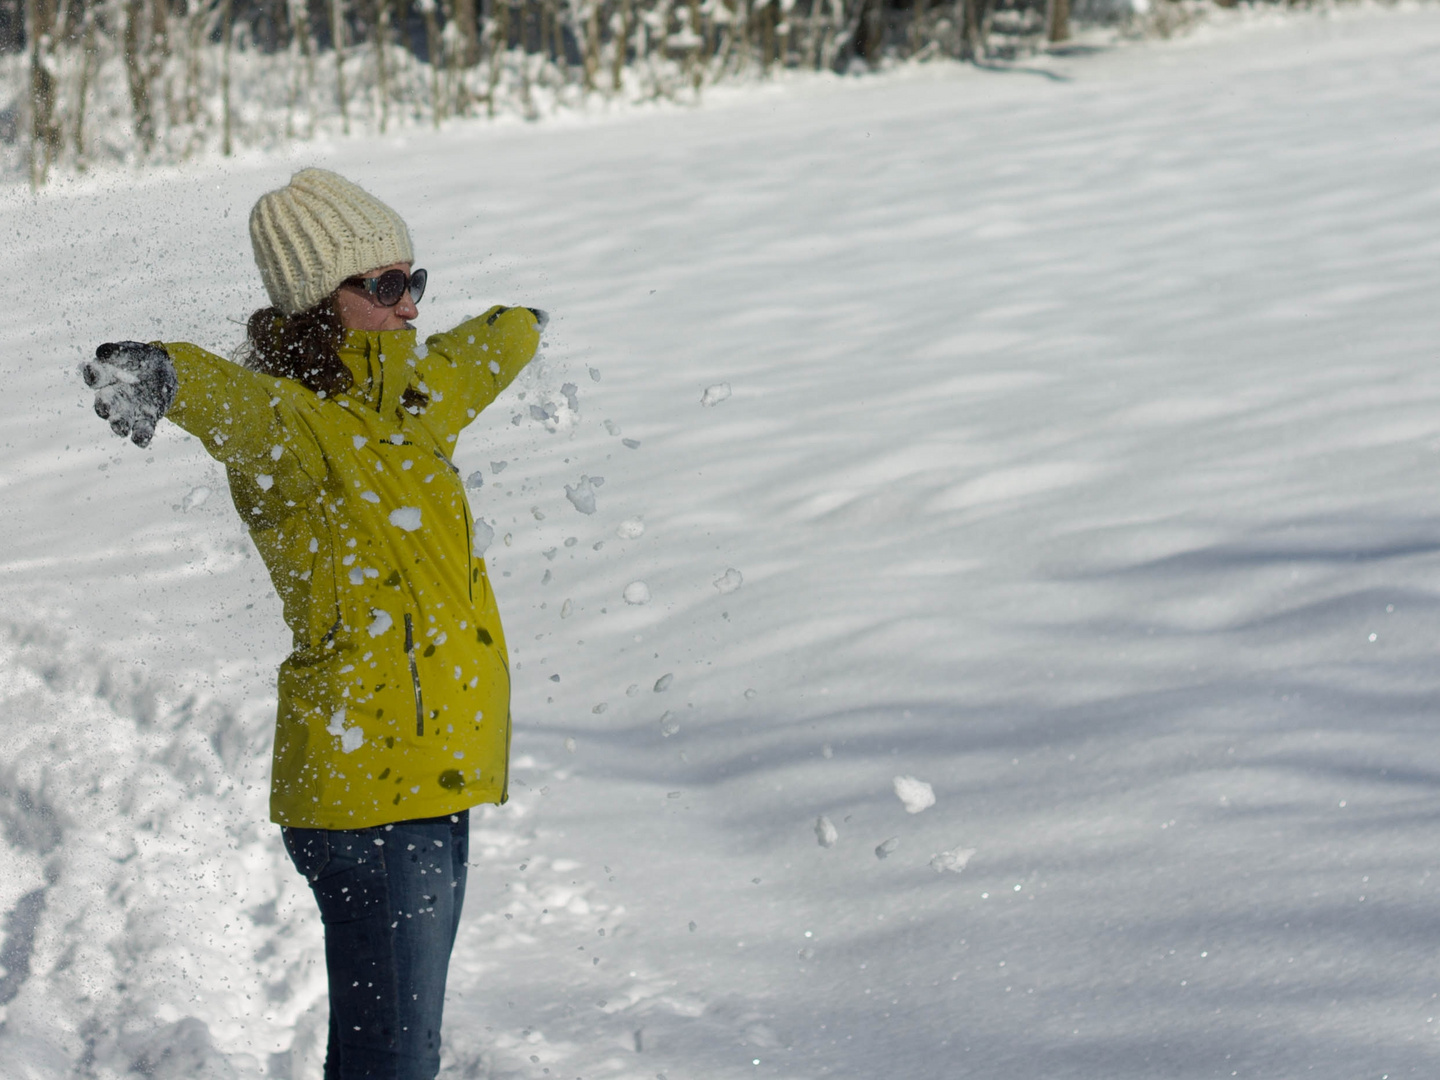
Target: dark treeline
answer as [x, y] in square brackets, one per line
[165, 79]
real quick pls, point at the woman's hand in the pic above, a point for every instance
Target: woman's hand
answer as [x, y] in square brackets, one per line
[134, 384]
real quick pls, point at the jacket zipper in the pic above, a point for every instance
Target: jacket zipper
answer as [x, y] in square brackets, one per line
[414, 675]
[505, 783]
[469, 560]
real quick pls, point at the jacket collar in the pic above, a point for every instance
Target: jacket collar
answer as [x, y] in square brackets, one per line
[382, 363]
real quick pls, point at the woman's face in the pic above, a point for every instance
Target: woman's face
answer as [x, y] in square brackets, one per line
[358, 310]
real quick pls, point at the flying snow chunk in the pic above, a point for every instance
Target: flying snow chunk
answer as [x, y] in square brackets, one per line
[630, 529]
[351, 739]
[915, 794]
[715, 394]
[196, 497]
[484, 534]
[954, 860]
[475, 480]
[825, 832]
[265, 482]
[637, 592]
[886, 847]
[669, 725]
[595, 374]
[565, 609]
[663, 682]
[731, 580]
[406, 517]
[582, 495]
[381, 622]
[371, 497]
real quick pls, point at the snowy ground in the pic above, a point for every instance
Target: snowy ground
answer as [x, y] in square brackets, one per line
[1078, 461]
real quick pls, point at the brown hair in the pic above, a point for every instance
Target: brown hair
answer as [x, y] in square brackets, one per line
[303, 347]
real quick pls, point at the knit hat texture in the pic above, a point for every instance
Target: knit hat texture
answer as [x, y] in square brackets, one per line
[318, 230]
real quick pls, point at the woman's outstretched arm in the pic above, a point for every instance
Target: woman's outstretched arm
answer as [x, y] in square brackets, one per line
[242, 417]
[465, 369]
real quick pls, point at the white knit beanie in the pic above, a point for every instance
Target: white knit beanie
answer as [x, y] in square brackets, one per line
[320, 229]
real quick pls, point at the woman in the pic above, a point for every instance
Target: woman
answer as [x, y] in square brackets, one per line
[394, 715]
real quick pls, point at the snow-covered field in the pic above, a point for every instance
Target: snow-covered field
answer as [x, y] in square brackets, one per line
[1078, 461]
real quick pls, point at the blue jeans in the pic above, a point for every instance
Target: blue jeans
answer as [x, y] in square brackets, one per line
[390, 899]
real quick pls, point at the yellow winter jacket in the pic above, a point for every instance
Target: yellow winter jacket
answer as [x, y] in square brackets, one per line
[395, 702]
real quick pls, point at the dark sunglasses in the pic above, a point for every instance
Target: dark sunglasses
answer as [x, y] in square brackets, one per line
[389, 287]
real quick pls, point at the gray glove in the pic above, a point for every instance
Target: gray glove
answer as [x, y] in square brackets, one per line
[134, 384]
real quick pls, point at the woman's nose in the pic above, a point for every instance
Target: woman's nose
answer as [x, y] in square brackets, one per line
[406, 308]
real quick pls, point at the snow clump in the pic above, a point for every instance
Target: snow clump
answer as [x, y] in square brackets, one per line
[484, 534]
[953, 860]
[630, 529]
[915, 794]
[715, 394]
[475, 480]
[825, 832]
[637, 592]
[558, 416]
[351, 739]
[381, 622]
[729, 581]
[195, 498]
[582, 495]
[406, 517]
[668, 725]
[663, 682]
[886, 847]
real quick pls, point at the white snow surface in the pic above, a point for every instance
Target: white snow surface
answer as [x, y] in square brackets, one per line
[1080, 458]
